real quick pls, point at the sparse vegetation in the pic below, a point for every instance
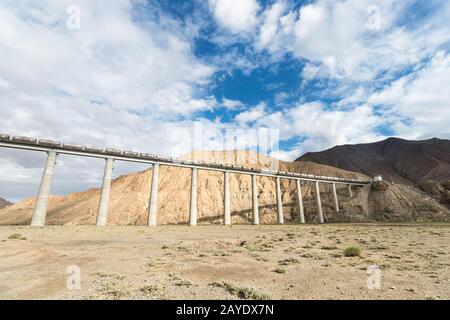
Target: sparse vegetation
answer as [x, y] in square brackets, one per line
[184, 283]
[17, 236]
[149, 290]
[242, 293]
[287, 262]
[352, 251]
[328, 248]
[279, 270]
[135, 267]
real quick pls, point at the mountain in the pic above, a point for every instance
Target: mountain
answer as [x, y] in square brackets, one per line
[4, 203]
[130, 198]
[398, 160]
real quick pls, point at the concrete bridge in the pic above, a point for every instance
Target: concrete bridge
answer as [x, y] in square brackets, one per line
[54, 148]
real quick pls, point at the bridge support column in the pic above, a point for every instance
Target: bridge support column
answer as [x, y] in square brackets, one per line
[193, 208]
[300, 202]
[335, 198]
[102, 215]
[153, 207]
[319, 203]
[226, 198]
[255, 200]
[40, 210]
[350, 193]
[279, 202]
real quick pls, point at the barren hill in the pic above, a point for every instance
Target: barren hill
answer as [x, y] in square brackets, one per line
[398, 160]
[4, 203]
[130, 198]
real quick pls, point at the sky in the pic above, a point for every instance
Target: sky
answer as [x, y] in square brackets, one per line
[167, 77]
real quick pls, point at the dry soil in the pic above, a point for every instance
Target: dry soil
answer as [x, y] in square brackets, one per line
[218, 262]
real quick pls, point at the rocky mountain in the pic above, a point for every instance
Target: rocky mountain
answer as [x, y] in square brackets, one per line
[4, 203]
[130, 198]
[398, 160]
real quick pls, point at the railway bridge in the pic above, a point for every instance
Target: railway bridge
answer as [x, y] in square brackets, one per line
[54, 148]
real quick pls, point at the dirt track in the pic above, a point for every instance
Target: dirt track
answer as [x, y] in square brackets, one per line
[217, 262]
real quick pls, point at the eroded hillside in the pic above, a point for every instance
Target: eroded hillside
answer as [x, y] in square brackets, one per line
[130, 198]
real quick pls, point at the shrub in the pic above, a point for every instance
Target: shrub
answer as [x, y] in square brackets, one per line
[242, 293]
[17, 236]
[352, 251]
[279, 270]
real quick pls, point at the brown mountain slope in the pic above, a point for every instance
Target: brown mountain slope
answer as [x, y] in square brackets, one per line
[130, 197]
[398, 160]
[4, 203]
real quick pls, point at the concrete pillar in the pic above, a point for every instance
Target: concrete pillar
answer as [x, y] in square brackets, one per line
[255, 200]
[279, 203]
[153, 208]
[102, 215]
[335, 198]
[193, 209]
[40, 210]
[226, 198]
[350, 193]
[319, 203]
[300, 202]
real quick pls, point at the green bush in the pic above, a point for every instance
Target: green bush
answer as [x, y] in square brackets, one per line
[352, 251]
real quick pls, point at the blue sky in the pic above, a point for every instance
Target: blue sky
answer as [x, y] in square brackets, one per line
[141, 74]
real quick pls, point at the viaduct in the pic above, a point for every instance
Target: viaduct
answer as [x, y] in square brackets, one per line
[53, 148]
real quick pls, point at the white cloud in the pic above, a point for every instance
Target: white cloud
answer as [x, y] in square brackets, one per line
[112, 58]
[235, 16]
[232, 104]
[324, 128]
[318, 126]
[251, 115]
[339, 46]
[418, 105]
[120, 81]
[271, 24]
[337, 41]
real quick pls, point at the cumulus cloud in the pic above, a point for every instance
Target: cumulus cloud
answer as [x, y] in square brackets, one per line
[323, 128]
[418, 105]
[336, 38]
[235, 16]
[251, 115]
[315, 124]
[340, 42]
[119, 81]
[232, 104]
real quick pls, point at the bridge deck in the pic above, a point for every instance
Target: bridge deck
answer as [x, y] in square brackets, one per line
[144, 158]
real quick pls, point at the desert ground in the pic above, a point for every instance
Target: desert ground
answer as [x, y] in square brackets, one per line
[219, 262]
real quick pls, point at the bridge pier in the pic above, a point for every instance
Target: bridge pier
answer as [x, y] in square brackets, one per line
[102, 215]
[319, 203]
[350, 193]
[279, 202]
[153, 207]
[335, 198]
[255, 200]
[193, 208]
[226, 199]
[300, 202]
[40, 209]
